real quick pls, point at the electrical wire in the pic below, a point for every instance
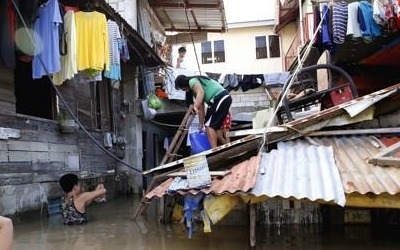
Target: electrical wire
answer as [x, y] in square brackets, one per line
[290, 83]
[191, 37]
[63, 100]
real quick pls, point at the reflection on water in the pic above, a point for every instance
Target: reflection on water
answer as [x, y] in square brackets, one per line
[110, 228]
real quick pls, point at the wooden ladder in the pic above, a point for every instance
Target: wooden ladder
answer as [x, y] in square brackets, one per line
[169, 156]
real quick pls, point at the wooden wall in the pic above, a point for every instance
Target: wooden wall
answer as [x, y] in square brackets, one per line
[34, 154]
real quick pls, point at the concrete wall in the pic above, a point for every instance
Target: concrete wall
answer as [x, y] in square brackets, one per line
[240, 53]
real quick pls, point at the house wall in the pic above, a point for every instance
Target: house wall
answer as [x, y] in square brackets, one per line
[34, 154]
[240, 53]
[287, 34]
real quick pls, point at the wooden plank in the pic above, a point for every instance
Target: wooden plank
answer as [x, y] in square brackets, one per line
[373, 201]
[385, 161]
[390, 150]
[229, 147]
[25, 156]
[252, 225]
[212, 173]
[356, 132]
[256, 131]
[3, 156]
[28, 146]
[7, 133]
[64, 148]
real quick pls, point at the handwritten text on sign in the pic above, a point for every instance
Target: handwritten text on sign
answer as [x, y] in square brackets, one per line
[198, 174]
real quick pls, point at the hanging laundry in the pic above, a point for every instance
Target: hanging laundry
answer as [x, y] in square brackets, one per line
[353, 27]
[114, 37]
[325, 28]
[92, 42]
[369, 28]
[46, 59]
[339, 22]
[68, 61]
[378, 12]
[7, 29]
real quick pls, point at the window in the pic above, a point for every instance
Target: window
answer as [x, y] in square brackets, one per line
[34, 97]
[261, 47]
[219, 51]
[206, 54]
[217, 55]
[273, 49]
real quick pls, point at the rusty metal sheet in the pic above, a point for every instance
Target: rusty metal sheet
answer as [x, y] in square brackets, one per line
[241, 179]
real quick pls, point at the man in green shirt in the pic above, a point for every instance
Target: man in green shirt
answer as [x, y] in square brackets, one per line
[210, 92]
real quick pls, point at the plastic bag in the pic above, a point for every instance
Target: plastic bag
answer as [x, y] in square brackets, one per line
[154, 101]
[199, 142]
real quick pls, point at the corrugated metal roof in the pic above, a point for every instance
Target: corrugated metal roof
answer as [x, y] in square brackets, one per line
[324, 169]
[351, 155]
[241, 179]
[301, 170]
[190, 15]
[141, 52]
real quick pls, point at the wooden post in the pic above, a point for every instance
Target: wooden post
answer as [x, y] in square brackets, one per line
[168, 157]
[252, 225]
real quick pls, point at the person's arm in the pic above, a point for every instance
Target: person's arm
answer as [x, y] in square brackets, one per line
[199, 100]
[178, 62]
[6, 233]
[88, 197]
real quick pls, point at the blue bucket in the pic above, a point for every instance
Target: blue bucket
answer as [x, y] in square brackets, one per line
[199, 142]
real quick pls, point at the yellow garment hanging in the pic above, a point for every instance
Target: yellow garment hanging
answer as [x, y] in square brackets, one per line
[92, 41]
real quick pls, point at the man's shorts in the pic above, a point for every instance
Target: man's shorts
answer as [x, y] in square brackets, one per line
[218, 110]
[227, 122]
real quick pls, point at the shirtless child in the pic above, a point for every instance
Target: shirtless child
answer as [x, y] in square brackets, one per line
[75, 201]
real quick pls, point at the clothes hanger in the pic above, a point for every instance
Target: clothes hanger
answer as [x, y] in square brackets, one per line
[87, 7]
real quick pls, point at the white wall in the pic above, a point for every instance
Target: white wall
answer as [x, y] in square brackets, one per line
[240, 53]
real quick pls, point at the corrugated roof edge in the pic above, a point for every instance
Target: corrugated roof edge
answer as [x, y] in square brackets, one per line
[145, 55]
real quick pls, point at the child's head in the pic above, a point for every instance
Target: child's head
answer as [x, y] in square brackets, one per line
[182, 51]
[68, 181]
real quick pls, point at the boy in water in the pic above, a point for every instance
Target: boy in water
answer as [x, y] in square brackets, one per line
[75, 201]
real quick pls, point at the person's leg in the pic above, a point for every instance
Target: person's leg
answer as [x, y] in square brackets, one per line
[221, 136]
[6, 233]
[212, 136]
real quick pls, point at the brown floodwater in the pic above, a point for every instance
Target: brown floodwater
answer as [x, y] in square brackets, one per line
[111, 228]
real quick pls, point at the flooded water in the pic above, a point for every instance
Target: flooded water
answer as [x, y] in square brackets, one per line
[111, 228]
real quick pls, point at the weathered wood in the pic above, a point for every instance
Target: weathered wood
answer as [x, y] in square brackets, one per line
[373, 201]
[255, 131]
[356, 132]
[212, 173]
[7, 133]
[252, 225]
[385, 161]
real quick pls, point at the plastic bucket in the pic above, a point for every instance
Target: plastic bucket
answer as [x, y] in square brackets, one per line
[199, 142]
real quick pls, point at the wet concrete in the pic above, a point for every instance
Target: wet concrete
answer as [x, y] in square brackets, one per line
[111, 228]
